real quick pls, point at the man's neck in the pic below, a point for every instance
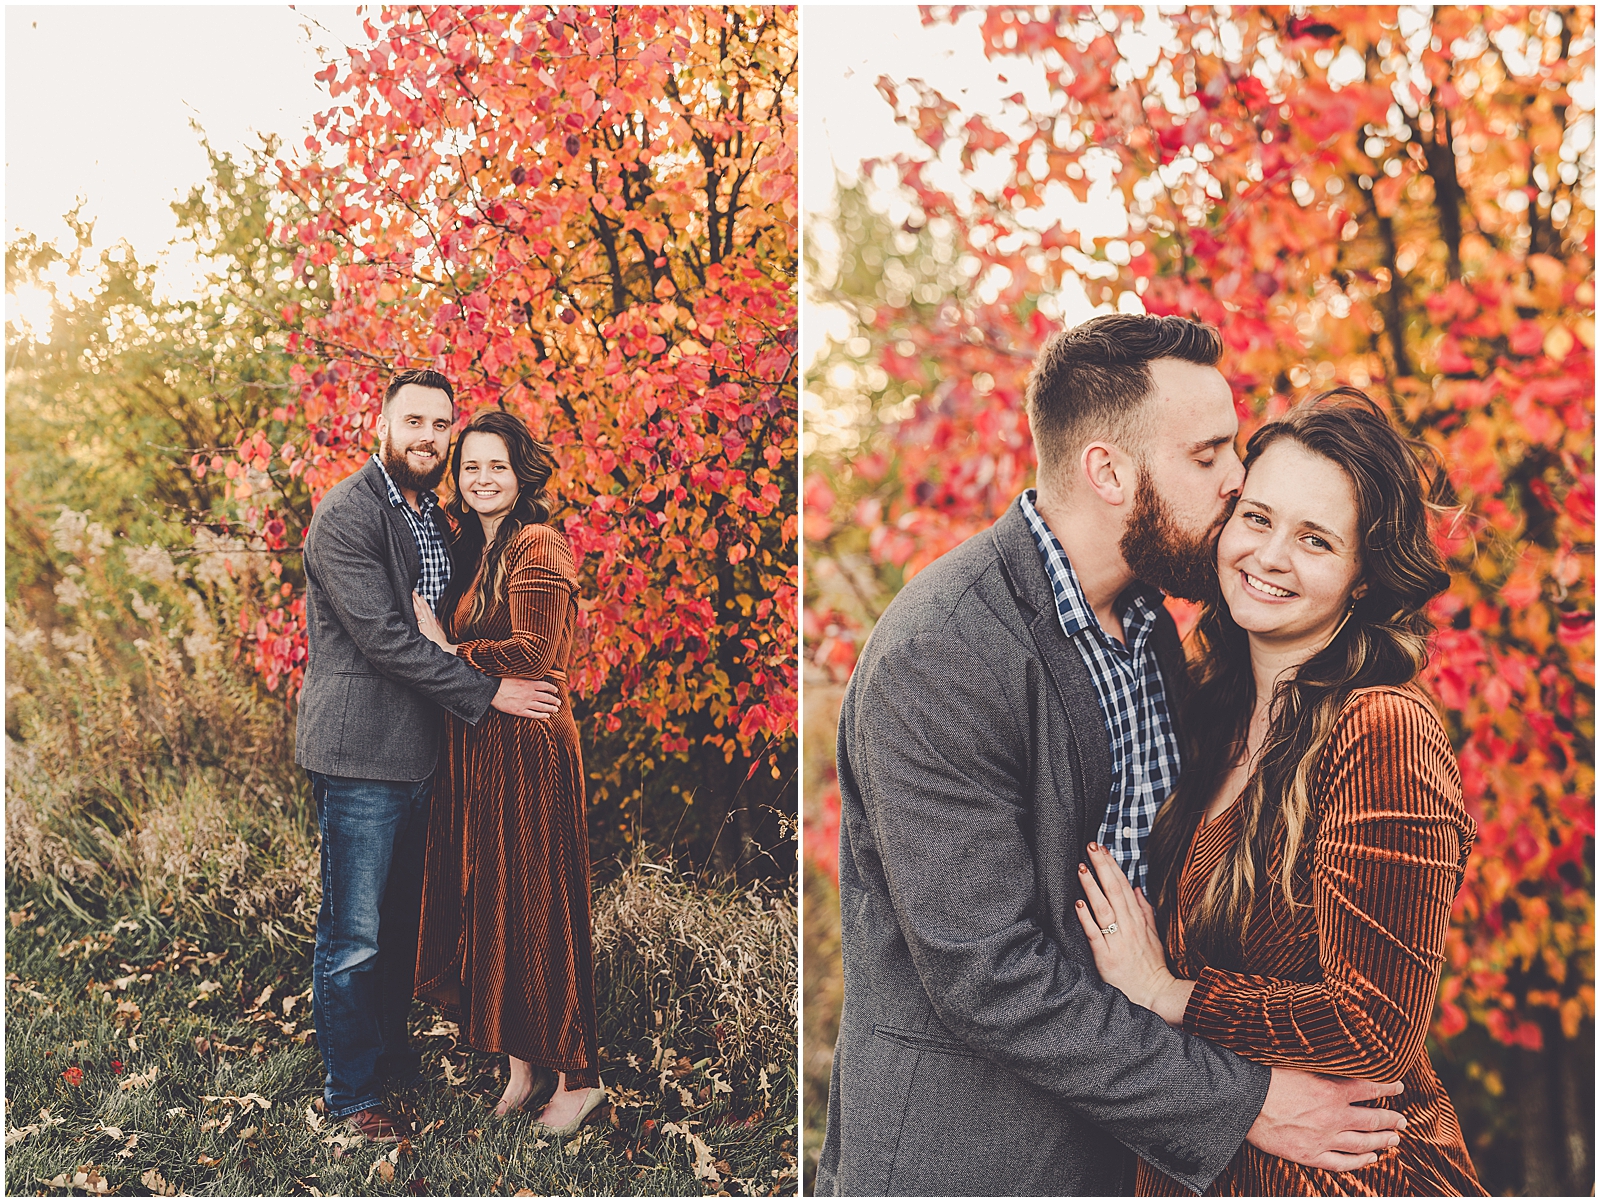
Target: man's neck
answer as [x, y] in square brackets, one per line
[1096, 560]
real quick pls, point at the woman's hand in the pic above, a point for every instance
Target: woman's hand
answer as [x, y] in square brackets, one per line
[429, 625]
[1122, 935]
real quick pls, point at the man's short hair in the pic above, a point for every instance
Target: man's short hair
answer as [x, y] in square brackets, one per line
[1091, 382]
[424, 376]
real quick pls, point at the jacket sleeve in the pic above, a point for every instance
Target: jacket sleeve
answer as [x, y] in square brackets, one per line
[1385, 871]
[540, 580]
[943, 770]
[352, 573]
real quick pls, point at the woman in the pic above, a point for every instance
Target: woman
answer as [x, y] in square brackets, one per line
[1304, 870]
[505, 899]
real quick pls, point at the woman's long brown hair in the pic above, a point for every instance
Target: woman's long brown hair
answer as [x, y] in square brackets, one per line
[1385, 642]
[533, 466]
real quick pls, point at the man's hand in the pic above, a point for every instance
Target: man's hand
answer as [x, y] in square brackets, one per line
[1311, 1120]
[527, 698]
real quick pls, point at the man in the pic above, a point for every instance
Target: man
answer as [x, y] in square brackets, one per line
[1014, 703]
[367, 735]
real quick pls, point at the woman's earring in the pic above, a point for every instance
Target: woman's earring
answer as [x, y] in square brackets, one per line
[1348, 611]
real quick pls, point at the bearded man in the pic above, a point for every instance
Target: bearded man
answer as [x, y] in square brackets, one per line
[1015, 702]
[367, 735]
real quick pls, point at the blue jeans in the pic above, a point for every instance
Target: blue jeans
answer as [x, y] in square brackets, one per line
[374, 834]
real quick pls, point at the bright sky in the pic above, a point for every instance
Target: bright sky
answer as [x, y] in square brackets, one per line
[845, 120]
[99, 103]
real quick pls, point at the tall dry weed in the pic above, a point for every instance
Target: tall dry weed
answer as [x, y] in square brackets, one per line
[140, 759]
[717, 960]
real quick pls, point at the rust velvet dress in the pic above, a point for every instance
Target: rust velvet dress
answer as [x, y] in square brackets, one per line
[505, 944]
[1346, 986]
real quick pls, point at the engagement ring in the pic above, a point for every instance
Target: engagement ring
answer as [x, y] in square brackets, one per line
[1110, 930]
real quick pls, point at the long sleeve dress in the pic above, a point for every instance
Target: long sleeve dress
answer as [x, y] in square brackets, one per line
[1346, 986]
[505, 943]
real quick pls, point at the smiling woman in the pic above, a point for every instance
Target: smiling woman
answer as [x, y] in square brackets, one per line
[1311, 758]
[1289, 558]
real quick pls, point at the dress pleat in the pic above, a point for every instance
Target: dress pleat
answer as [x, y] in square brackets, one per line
[1346, 984]
[505, 946]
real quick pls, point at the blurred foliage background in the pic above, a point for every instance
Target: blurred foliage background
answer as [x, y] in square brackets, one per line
[1399, 199]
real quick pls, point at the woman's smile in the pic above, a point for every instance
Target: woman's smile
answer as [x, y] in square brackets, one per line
[1269, 592]
[1288, 558]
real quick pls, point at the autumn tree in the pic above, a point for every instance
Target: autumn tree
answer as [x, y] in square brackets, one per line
[128, 378]
[585, 217]
[1397, 199]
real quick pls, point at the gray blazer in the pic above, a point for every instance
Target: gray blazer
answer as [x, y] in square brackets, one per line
[373, 684]
[979, 1052]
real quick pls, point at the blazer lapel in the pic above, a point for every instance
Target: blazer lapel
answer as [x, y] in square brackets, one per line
[1064, 824]
[410, 556]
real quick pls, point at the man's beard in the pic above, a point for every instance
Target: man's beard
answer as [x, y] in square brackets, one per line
[405, 476]
[1159, 553]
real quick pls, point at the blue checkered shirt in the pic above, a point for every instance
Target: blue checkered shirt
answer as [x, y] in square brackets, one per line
[1133, 700]
[431, 548]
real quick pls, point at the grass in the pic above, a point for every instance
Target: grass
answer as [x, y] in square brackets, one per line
[161, 886]
[232, 1108]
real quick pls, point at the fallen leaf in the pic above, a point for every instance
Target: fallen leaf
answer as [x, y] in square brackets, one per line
[451, 1076]
[139, 1080]
[158, 1185]
[86, 1178]
[74, 1076]
[206, 1162]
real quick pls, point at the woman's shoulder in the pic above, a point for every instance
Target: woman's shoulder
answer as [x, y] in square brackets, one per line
[1404, 706]
[1388, 735]
[539, 543]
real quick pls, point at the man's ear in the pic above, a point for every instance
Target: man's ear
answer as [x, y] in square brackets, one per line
[1108, 472]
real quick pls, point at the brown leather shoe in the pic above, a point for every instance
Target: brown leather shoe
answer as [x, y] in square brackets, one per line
[376, 1124]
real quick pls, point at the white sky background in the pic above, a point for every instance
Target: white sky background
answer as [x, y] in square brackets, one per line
[99, 102]
[844, 120]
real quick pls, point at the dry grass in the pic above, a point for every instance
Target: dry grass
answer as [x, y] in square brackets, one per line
[704, 960]
[151, 787]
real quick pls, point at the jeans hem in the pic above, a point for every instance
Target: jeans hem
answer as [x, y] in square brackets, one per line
[345, 1112]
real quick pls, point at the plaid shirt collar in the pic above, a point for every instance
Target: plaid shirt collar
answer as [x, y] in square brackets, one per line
[427, 501]
[1072, 608]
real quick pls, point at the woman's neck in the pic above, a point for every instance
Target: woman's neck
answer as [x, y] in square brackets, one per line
[1271, 664]
[491, 527]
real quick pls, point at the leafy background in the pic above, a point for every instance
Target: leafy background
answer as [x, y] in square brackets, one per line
[587, 217]
[1399, 199]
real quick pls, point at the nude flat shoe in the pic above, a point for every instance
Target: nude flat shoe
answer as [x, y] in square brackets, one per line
[596, 1096]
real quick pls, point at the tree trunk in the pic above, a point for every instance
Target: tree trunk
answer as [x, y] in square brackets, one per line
[1441, 164]
[1577, 1120]
[1541, 1160]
